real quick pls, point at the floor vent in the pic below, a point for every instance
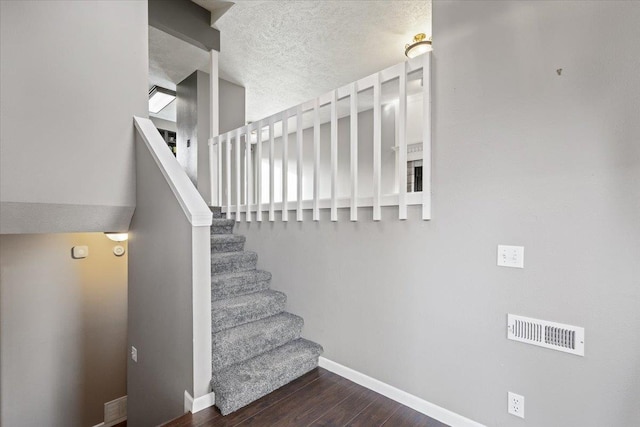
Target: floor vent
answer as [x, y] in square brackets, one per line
[556, 336]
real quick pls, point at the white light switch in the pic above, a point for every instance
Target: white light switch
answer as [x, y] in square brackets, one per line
[511, 256]
[79, 252]
[134, 354]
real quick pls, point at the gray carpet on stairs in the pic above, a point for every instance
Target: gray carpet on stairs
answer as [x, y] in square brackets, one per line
[256, 346]
[242, 383]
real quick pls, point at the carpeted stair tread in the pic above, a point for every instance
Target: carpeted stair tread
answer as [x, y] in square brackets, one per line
[242, 383]
[222, 226]
[246, 341]
[230, 312]
[227, 243]
[240, 283]
[229, 262]
[216, 211]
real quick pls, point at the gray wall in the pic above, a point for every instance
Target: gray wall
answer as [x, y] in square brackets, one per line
[66, 65]
[160, 299]
[522, 156]
[193, 120]
[63, 329]
[188, 92]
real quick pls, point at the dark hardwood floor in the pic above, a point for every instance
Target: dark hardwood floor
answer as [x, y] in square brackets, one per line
[319, 398]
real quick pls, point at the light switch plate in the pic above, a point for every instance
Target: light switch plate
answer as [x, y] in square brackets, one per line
[79, 252]
[511, 256]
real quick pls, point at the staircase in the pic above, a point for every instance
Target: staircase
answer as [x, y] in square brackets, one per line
[256, 345]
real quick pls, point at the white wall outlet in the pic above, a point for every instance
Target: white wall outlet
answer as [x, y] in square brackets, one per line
[134, 354]
[516, 405]
[511, 256]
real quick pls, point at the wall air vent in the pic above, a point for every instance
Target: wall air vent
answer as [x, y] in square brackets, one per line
[556, 336]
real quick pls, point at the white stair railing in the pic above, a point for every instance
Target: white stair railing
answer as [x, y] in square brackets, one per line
[247, 164]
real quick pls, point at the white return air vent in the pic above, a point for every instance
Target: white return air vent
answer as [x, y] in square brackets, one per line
[555, 336]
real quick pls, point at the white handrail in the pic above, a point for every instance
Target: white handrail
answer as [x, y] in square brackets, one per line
[192, 203]
[253, 200]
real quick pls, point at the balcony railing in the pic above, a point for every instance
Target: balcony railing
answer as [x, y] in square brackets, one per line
[367, 122]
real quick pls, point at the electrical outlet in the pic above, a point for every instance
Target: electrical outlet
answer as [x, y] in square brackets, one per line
[516, 405]
[134, 354]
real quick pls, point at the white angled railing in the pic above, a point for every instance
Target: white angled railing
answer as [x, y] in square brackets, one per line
[246, 182]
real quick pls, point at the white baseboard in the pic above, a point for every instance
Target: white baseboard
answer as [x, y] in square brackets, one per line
[198, 404]
[427, 408]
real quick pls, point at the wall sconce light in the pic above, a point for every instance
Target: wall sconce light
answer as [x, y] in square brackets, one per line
[117, 237]
[159, 98]
[418, 46]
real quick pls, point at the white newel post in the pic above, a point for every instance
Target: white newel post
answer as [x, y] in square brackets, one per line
[215, 174]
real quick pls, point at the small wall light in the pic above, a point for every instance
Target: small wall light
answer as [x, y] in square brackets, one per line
[418, 46]
[117, 237]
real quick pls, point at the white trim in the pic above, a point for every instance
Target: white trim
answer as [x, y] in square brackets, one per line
[196, 405]
[413, 402]
[192, 203]
[413, 198]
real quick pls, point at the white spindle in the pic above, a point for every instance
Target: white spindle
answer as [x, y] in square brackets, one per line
[228, 173]
[316, 160]
[285, 165]
[402, 146]
[377, 144]
[259, 173]
[272, 212]
[238, 179]
[353, 95]
[299, 163]
[213, 173]
[219, 171]
[426, 137]
[334, 155]
[248, 173]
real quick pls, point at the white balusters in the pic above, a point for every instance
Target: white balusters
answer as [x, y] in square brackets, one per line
[426, 137]
[316, 160]
[248, 173]
[299, 163]
[285, 165]
[353, 99]
[228, 174]
[272, 184]
[238, 179]
[249, 183]
[402, 145]
[377, 147]
[334, 155]
[259, 173]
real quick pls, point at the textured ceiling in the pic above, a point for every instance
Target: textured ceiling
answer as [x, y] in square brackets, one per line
[287, 52]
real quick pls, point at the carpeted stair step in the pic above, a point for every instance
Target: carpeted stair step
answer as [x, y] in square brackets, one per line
[230, 262]
[240, 283]
[222, 226]
[216, 211]
[231, 312]
[242, 383]
[251, 339]
[227, 243]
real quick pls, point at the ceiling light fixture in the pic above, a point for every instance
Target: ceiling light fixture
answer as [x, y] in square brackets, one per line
[159, 98]
[418, 46]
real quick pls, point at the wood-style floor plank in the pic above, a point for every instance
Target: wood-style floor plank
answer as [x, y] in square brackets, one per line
[263, 403]
[318, 398]
[346, 410]
[305, 406]
[376, 414]
[407, 417]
